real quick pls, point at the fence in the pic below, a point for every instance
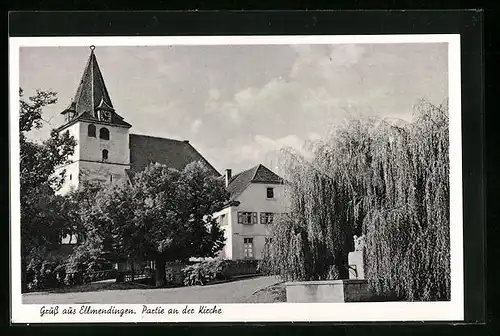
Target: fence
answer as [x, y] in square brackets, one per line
[134, 275]
[103, 275]
[175, 275]
[173, 272]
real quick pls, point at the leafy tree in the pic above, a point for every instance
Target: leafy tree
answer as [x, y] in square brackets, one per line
[165, 215]
[386, 181]
[93, 255]
[42, 220]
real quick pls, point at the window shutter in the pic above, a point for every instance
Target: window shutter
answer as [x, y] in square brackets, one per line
[240, 219]
[262, 218]
[254, 218]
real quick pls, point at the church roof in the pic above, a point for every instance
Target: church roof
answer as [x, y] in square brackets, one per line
[91, 96]
[176, 154]
[257, 174]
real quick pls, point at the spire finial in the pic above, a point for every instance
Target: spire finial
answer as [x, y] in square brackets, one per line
[92, 47]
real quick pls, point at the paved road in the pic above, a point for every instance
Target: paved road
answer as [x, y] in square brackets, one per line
[229, 292]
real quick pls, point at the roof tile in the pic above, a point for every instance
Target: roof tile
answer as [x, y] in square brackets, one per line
[176, 154]
[92, 95]
[257, 174]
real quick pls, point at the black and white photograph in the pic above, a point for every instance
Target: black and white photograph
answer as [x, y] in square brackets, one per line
[238, 178]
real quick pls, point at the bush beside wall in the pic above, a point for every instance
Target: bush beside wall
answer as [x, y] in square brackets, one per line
[242, 267]
[218, 269]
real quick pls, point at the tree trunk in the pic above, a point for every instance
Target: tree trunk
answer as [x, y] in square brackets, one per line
[160, 272]
[24, 271]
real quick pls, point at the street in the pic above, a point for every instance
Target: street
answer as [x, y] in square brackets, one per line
[240, 291]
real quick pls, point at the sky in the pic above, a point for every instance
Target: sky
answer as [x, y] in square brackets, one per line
[239, 105]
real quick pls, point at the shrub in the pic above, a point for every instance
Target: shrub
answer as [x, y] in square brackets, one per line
[241, 267]
[43, 274]
[205, 272]
[84, 264]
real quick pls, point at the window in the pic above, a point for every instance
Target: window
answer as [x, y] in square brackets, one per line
[104, 154]
[248, 247]
[91, 131]
[104, 133]
[247, 218]
[266, 217]
[222, 220]
[70, 177]
[270, 192]
[111, 178]
[69, 239]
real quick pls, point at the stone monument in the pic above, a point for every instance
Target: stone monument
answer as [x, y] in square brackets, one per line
[356, 259]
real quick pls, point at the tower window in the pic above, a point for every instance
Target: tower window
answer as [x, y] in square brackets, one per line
[104, 154]
[91, 131]
[104, 133]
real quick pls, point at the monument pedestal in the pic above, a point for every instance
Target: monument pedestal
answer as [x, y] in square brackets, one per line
[349, 290]
[356, 265]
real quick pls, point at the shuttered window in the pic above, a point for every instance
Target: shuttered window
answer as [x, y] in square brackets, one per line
[247, 218]
[266, 217]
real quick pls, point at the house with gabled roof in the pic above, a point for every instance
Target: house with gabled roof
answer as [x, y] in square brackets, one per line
[257, 195]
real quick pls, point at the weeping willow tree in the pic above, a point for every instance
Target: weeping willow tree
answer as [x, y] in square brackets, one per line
[386, 181]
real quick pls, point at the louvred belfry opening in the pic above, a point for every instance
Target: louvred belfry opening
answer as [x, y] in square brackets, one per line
[92, 101]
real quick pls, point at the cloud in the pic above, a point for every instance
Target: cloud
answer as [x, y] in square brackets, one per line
[322, 84]
[347, 54]
[240, 103]
[323, 63]
[195, 125]
[256, 104]
[263, 148]
[214, 94]
[314, 136]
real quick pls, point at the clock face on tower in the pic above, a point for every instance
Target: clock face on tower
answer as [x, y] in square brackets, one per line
[105, 116]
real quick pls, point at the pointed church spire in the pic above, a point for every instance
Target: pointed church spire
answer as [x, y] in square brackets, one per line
[92, 89]
[92, 96]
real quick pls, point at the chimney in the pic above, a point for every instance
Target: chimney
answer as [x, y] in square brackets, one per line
[228, 177]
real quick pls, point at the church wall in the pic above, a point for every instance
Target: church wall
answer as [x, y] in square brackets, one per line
[70, 179]
[106, 173]
[224, 219]
[74, 130]
[118, 144]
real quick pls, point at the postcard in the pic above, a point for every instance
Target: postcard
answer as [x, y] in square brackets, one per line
[236, 179]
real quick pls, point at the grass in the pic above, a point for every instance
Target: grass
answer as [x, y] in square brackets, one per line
[271, 294]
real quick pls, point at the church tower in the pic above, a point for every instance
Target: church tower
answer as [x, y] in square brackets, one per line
[102, 151]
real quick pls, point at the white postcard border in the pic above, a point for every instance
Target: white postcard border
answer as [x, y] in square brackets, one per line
[282, 312]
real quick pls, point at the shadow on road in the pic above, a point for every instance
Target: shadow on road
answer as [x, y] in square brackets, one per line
[110, 286]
